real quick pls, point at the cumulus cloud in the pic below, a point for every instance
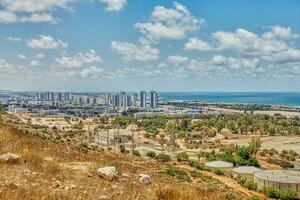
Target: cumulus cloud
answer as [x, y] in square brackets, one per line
[114, 5]
[271, 45]
[130, 51]
[46, 42]
[198, 44]
[31, 10]
[92, 71]
[169, 23]
[280, 32]
[79, 60]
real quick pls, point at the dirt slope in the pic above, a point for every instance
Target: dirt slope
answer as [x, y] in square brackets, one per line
[49, 170]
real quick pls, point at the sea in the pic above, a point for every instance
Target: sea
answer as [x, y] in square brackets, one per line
[271, 98]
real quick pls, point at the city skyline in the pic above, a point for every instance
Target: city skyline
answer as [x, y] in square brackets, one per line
[127, 45]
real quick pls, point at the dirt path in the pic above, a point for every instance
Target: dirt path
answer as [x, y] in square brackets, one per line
[228, 182]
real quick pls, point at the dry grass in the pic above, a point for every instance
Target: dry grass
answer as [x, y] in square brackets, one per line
[50, 170]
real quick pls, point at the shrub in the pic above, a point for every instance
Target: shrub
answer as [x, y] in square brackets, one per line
[163, 157]
[136, 153]
[284, 194]
[182, 157]
[253, 198]
[218, 171]
[243, 152]
[151, 154]
[195, 174]
[180, 174]
[196, 164]
[250, 185]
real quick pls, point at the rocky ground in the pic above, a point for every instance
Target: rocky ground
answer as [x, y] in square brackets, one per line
[42, 169]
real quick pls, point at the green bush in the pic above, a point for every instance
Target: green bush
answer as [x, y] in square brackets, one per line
[196, 164]
[218, 171]
[180, 174]
[151, 154]
[163, 157]
[195, 174]
[182, 157]
[284, 194]
[250, 185]
[253, 198]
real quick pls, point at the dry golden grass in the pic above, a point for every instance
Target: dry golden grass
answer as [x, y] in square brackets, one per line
[50, 170]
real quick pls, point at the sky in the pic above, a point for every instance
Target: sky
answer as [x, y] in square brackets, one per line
[163, 45]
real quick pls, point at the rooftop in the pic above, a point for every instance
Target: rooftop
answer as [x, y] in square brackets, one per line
[282, 176]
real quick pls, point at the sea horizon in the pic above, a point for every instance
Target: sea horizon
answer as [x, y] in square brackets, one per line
[263, 98]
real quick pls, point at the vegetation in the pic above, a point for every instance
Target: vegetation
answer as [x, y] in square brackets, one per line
[151, 154]
[182, 157]
[247, 184]
[283, 194]
[281, 163]
[162, 157]
[180, 174]
[218, 171]
[196, 164]
[253, 198]
[239, 156]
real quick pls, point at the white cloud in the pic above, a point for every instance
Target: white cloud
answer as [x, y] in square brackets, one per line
[14, 39]
[30, 10]
[34, 63]
[46, 42]
[197, 44]
[169, 23]
[22, 57]
[92, 71]
[271, 45]
[6, 68]
[280, 32]
[114, 5]
[130, 51]
[79, 60]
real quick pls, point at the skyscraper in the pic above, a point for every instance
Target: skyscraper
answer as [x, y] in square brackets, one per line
[134, 99]
[59, 96]
[153, 99]
[143, 99]
[116, 100]
[67, 96]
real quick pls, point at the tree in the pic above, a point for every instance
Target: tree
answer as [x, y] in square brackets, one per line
[254, 145]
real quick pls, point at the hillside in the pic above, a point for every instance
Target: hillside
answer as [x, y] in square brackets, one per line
[49, 170]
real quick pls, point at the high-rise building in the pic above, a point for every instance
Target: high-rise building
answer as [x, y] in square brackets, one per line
[153, 99]
[108, 99]
[121, 95]
[134, 99]
[127, 101]
[67, 96]
[116, 100]
[59, 96]
[143, 99]
[49, 96]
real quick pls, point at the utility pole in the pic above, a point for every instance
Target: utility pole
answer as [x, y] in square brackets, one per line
[132, 143]
[173, 141]
[107, 138]
[118, 140]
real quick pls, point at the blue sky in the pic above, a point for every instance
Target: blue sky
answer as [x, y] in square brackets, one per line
[111, 45]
